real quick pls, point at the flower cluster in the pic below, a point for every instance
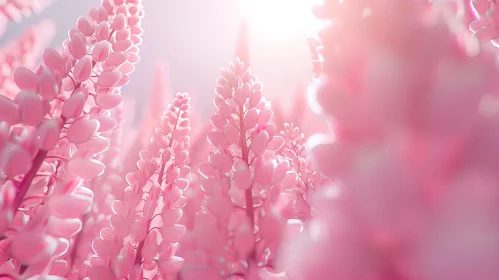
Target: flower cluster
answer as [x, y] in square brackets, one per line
[238, 228]
[143, 231]
[54, 130]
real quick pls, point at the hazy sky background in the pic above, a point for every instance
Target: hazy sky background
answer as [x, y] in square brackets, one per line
[193, 39]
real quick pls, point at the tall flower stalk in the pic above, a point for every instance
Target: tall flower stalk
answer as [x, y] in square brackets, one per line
[237, 230]
[143, 233]
[53, 128]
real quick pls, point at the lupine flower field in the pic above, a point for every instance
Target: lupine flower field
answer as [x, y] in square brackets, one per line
[383, 166]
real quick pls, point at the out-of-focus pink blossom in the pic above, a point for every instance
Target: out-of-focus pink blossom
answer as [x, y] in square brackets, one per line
[145, 129]
[415, 184]
[16, 10]
[23, 51]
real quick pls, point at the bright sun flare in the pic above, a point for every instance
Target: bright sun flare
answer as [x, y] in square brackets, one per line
[280, 18]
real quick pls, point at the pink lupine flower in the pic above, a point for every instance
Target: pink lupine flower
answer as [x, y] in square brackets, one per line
[236, 232]
[54, 127]
[56, 99]
[23, 51]
[308, 180]
[415, 181]
[145, 129]
[143, 233]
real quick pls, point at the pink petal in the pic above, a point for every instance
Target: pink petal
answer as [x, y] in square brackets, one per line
[102, 15]
[225, 110]
[133, 20]
[119, 207]
[96, 145]
[87, 169]
[182, 183]
[31, 108]
[83, 25]
[116, 59]
[126, 68]
[28, 247]
[218, 121]
[109, 78]
[123, 81]
[270, 128]
[25, 79]
[264, 116]
[173, 233]
[77, 45]
[250, 118]
[207, 171]
[259, 142]
[106, 123]
[120, 224]
[149, 252]
[123, 34]
[83, 69]
[280, 171]
[231, 133]
[132, 198]
[65, 228]
[255, 98]
[171, 216]
[9, 111]
[73, 106]
[105, 248]
[217, 139]
[108, 100]
[101, 51]
[123, 266]
[14, 160]
[242, 176]
[118, 22]
[82, 130]
[171, 196]
[133, 58]
[221, 162]
[59, 267]
[102, 31]
[47, 134]
[47, 85]
[123, 45]
[265, 173]
[69, 205]
[180, 203]
[181, 157]
[276, 143]
[53, 60]
[240, 96]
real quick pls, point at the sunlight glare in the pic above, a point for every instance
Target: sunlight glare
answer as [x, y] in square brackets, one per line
[281, 18]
